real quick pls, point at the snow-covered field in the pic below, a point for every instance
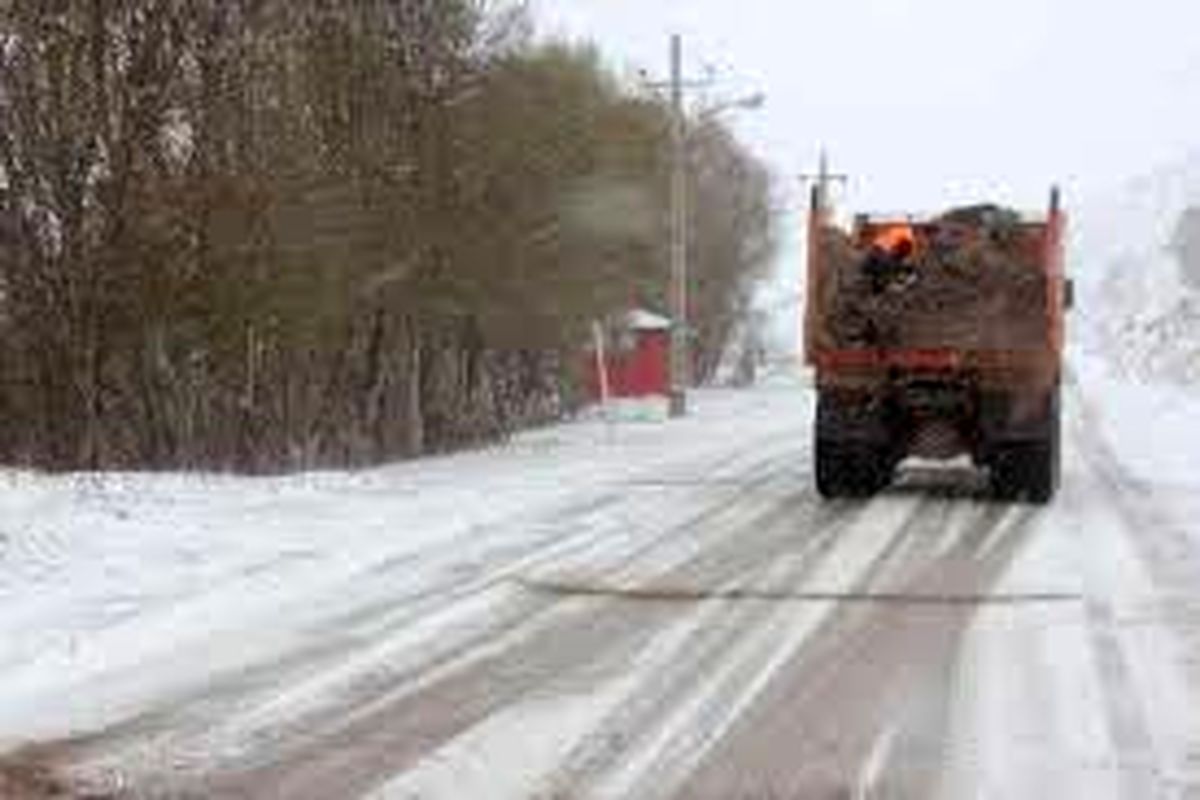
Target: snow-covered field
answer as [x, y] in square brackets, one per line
[622, 606]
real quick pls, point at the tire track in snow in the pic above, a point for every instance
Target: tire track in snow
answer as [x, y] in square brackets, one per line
[581, 641]
[189, 716]
[226, 699]
[713, 630]
[323, 603]
[738, 639]
[616, 644]
[335, 633]
[338, 667]
[866, 672]
[714, 671]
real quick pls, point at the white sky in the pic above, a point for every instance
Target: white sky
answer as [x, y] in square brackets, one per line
[928, 103]
[931, 102]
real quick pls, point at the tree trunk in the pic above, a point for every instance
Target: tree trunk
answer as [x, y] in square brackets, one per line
[414, 413]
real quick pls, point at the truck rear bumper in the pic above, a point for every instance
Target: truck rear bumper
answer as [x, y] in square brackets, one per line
[848, 361]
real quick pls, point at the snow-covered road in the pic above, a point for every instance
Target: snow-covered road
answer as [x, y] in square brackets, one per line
[631, 610]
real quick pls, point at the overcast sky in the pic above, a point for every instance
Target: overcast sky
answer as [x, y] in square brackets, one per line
[930, 102]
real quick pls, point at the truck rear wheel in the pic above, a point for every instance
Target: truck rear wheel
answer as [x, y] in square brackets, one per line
[1023, 472]
[845, 470]
[852, 446]
[1030, 469]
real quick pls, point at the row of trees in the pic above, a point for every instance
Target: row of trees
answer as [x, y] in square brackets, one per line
[276, 234]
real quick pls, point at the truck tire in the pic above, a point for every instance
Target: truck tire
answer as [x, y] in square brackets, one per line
[850, 470]
[1030, 469]
[852, 447]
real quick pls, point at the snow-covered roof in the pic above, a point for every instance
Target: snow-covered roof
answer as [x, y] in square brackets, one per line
[639, 319]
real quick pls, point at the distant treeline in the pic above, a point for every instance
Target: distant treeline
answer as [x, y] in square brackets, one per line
[276, 234]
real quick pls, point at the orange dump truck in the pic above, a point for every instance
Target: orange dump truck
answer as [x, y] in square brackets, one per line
[937, 337]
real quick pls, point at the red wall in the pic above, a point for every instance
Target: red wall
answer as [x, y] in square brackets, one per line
[640, 372]
[645, 369]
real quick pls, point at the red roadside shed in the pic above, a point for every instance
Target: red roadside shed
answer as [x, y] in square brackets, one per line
[637, 361]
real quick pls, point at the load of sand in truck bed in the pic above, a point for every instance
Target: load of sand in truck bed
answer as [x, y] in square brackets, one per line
[973, 280]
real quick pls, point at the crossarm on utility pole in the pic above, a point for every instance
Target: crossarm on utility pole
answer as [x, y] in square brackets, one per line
[823, 178]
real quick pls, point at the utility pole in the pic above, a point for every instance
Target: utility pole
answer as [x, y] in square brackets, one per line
[680, 360]
[680, 368]
[823, 178]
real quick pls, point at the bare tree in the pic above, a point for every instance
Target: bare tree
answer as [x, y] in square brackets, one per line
[269, 234]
